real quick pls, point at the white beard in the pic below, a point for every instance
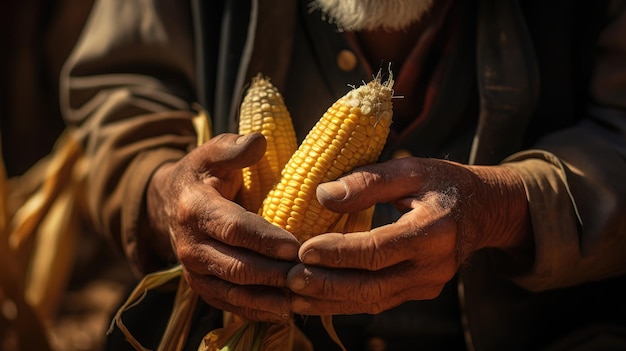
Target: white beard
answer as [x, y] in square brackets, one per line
[354, 15]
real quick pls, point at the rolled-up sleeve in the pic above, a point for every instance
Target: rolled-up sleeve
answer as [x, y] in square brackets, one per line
[127, 88]
[576, 179]
[577, 217]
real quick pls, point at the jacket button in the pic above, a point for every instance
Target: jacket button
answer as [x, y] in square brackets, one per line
[346, 60]
[376, 344]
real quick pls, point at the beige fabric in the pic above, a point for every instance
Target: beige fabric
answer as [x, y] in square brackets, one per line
[563, 257]
[128, 86]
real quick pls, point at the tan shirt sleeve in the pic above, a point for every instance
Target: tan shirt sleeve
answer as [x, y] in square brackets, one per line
[577, 221]
[127, 87]
[576, 182]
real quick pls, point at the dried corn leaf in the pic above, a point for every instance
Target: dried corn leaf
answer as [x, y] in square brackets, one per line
[18, 321]
[179, 323]
[278, 337]
[44, 228]
[327, 322]
[241, 335]
[348, 223]
[217, 339]
[354, 222]
[25, 221]
[52, 257]
[202, 125]
[149, 282]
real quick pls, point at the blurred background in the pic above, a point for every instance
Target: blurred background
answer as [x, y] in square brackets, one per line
[35, 38]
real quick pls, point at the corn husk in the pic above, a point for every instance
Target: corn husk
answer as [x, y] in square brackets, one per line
[179, 323]
[45, 227]
[19, 322]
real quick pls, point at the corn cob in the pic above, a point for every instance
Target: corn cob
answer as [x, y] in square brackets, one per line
[351, 133]
[263, 110]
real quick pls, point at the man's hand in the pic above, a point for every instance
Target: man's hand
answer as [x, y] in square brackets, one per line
[451, 210]
[232, 258]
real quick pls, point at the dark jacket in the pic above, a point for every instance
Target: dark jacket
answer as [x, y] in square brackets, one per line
[539, 85]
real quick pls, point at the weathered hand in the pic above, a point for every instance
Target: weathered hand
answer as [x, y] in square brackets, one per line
[451, 211]
[232, 258]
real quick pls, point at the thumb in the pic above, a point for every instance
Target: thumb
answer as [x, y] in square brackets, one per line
[368, 185]
[232, 151]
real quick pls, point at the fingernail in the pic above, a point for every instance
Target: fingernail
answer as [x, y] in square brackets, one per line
[242, 139]
[298, 283]
[299, 305]
[311, 257]
[332, 190]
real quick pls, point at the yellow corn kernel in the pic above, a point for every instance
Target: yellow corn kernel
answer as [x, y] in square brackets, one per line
[351, 133]
[263, 110]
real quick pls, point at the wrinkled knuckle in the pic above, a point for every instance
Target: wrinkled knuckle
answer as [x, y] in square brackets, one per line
[380, 291]
[227, 230]
[371, 290]
[236, 272]
[234, 227]
[185, 255]
[366, 180]
[185, 210]
[377, 259]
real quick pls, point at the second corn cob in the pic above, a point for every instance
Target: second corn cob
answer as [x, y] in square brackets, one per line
[351, 133]
[263, 110]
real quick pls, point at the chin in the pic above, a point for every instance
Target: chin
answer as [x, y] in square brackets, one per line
[358, 15]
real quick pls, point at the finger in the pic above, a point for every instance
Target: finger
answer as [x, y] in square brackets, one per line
[312, 306]
[372, 184]
[230, 223]
[365, 286]
[235, 265]
[252, 302]
[416, 235]
[321, 291]
[231, 151]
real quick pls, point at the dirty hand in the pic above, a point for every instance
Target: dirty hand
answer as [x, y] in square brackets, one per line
[450, 210]
[233, 259]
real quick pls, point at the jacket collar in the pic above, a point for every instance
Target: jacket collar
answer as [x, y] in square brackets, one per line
[508, 80]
